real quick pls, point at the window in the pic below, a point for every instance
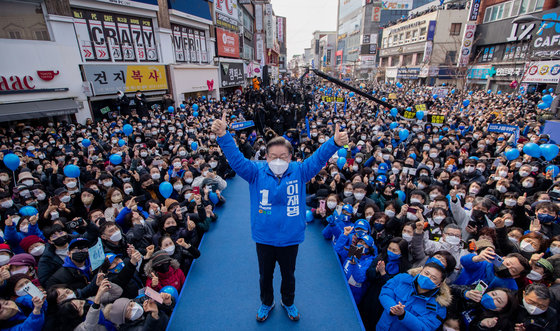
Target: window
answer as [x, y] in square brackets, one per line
[488, 14]
[422, 31]
[414, 35]
[22, 20]
[408, 34]
[455, 29]
[451, 57]
[529, 6]
[502, 10]
[488, 54]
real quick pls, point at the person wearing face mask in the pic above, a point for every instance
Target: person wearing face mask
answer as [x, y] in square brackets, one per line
[123, 271]
[358, 196]
[33, 245]
[392, 261]
[470, 221]
[55, 252]
[355, 268]
[281, 228]
[180, 250]
[536, 312]
[114, 203]
[337, 222]
[15, 233]
[87, 201]
[113, 239]
[163, 271]
[127, 314]
[471, 173]
[140, 104]
[23, 313]
[76, 270]
[415, 300]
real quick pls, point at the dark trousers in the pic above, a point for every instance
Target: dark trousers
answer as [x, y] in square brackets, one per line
[286, 257]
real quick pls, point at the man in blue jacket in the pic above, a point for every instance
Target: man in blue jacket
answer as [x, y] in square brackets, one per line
[277, 191]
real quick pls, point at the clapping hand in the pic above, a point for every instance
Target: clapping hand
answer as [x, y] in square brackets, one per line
[397, 309]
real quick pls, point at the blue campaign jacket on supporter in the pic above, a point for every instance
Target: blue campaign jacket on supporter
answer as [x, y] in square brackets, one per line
[277, 205]
[336, 226]
[13, 236]
[343, 243]
[30, 322]
[424, 313]
[474, 271]
[356, 276]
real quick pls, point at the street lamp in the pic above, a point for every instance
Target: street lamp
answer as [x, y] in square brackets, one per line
[531, 18]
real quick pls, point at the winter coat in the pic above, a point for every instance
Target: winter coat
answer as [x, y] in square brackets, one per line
[91, 322]
[24, 319]
[128, 279]
[356, 275]
[422, 312]
[474, 271]
[49, 263]
[462, 217]
[173, 277]
[277, 204]
[13, 236]
[71, 276]
[343, 244]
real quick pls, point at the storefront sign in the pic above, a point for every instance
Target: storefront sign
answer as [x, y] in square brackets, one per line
[431, 31]
[405, 49]
[258, 17]
[544, 36]
[475, 10]
[227, 42]
[376, 12]
[231, 74]
[542, 72]
[108, 79]
[466, 45]
[280, 27]
[269, 26]
[427, 52]
[397, 4]
[478, 72]
[226, 14]
[408, 73]
[114, 37]
[189, 44]
[31, 82]
[509, 71]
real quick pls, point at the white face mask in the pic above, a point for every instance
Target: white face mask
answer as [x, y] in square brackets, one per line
[21, 292]
[136, 312]
[213, 164]
[359, 196]
[508, 222]
[347, 193]
[108, 183]
[71, 184]
[20, 270]
[468, 205]
[70, 296]
[527, 247]
[177, 165]
[555, 250]
[189, 180]
[156, 176]
[474, 190]
[407, 237]
[411, 216]
[278, 166]
[178, 187]
[454, 182]
[7, 204]
[414, 200]
[502, 174]
[65, 199]
[116, 236]
[533, 275]
[438, 219]
[532, 310]
[4, 259]
[513, 240]
[37, 251]
[41, 196]
[524, 173]
[170, 249]
[452, 240]
[421, 186]
[331, 204]
[128, 190]
[510, 202]
[389, 213]
[24, 228]
[501, 189]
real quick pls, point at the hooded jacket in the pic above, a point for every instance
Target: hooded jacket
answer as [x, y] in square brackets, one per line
[277, 204]
[173, 277]
[422, 312]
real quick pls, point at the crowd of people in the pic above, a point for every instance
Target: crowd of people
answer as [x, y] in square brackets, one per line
[436, 229]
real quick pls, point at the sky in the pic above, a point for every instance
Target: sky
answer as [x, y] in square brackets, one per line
[302, 18]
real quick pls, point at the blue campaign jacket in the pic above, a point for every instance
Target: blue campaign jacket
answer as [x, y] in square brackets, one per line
[422, 313]
[472, 272]
[356, 276]
[277, 204]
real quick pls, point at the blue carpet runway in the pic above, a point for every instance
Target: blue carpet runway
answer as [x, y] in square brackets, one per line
[222, 287]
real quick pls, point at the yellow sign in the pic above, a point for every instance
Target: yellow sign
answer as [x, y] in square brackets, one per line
[421, 107]
[437, 119]
[145, 78]
[392, 96]
[409, 114]
[325, 98]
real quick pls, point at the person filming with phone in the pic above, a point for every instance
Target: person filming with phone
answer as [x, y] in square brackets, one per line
[277, 206]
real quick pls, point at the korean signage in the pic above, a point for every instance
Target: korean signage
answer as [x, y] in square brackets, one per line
[475, 10]
[258, 17]
[108, 79]
[269, 26]
[542, 72]
[544, 36]
[427, 52]
[408, 73]
[431, 31]
[376, 12]
[509, 71]
[189, 44]
[466, 45]
[504, 128]
[232, 74]
[478, 72]
[226, 14]
[280, 28]
[259, 44]
[29, 82]
[227, 42]
[114, 37]
[397, 4]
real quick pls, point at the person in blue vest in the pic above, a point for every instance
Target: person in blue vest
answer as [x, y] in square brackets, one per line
[277, 190]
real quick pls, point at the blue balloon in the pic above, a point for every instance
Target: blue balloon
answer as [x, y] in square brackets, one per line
[86, 142]
[474, 158]
[550, 90]
[555, 170]
[393, 125]
[351, 94]
[28, 211]
[321, 90]
[549, 151]
[127, 129]
[547, 99]
[165, 189]
[341, 162]
[403, 134]
[453, 91]
[499, 92]
[543, 105]
[470, 92]
[224, 99]
[408, 108]
[413, 90]
[544, 91]
[413, 156]
[11, 161]
[122, 142]
[399, 84]
[195, 107]
[435, 96]
[183, 106]
[466, 103]
[384, 99]
[115, 159]
[308, 216]
[532, 149]
[72, 171]
[171, 109]
[394, 112]
[195, 114]
[373, 92]
[194, 145]
[512, 154]
[401, 195]
[170, 290]
[420, 115]
[213, 197]
[444, 84]
[342, 152]
[203, 97]
[489, 91]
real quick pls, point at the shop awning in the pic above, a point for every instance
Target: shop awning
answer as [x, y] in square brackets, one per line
[37, 109]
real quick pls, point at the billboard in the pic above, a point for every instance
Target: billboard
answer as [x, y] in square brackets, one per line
[108, 79]
[542, 72]
[226, 14]
[231, 74]
[466, 45]
[397, 4]
[269, 26]
[114, 37]
[227, 42]
[188, 41]
[281, 28]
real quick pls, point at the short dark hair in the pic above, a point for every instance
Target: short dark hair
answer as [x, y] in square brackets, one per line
[541, 291]
[279, 141]
[524, 263]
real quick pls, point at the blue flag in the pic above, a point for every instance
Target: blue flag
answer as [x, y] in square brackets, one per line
[307, 127]
[335, 106]
[345, 104]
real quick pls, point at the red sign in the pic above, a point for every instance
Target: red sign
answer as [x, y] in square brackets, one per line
[47, 75]
[228, 43]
